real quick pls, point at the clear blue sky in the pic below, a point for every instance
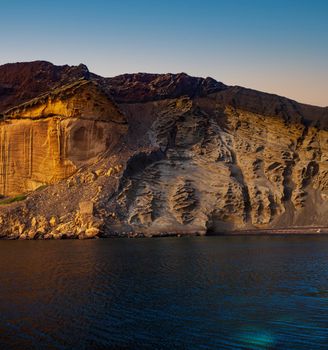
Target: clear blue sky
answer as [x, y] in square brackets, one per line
[279, 46]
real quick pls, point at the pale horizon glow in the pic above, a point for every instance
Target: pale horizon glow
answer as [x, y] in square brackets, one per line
[275, 46]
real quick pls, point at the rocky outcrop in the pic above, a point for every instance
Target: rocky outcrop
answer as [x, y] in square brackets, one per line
[149, 154]
[20, 82]
[50, 137]
[143, 87]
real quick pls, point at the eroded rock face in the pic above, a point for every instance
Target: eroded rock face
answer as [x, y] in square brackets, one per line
[230, 169]
[176, 154]
[50, 137]
[192, 187]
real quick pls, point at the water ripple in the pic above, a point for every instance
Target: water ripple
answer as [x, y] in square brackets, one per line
[187, 293]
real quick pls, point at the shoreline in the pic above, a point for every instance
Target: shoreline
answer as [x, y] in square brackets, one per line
[300, 231]
[275, 231]
[303, 231]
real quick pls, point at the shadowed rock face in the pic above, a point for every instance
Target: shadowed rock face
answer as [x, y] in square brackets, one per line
[144, 87]
[20, 82]
[156, 153]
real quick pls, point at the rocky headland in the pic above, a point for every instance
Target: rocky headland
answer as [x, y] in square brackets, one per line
[84, 156]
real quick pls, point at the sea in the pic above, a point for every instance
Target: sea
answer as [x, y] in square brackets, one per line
[218, 292]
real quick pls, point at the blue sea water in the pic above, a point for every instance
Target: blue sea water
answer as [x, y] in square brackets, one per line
[254, 292]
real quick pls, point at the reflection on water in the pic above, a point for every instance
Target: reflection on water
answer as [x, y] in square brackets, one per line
[168, 293]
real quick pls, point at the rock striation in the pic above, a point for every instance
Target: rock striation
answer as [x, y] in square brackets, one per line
[150, 154]
[48, 138]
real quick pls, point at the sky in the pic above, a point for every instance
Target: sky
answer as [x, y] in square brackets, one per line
[277, 46]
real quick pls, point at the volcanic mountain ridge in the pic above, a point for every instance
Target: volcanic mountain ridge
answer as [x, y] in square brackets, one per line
[84, 156]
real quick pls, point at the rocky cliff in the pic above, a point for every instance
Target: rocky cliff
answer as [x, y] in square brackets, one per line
[154, 154]
[48, 138]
